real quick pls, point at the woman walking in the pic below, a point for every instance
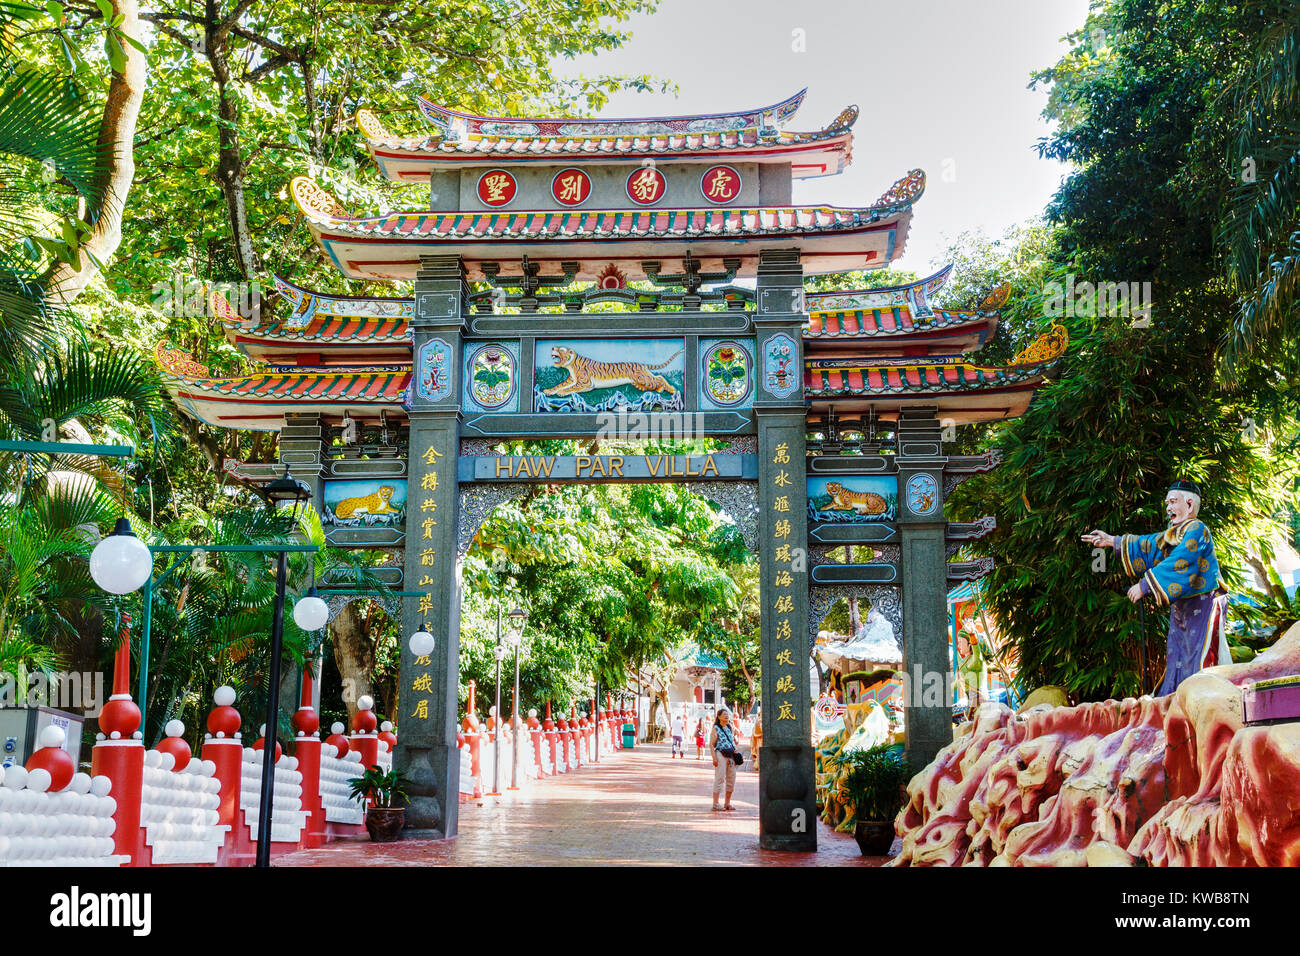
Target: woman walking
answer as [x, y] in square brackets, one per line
[722, 741]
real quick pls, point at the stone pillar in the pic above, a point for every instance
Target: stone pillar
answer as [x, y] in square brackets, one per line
[921, 528]
[426, 749]
[787, 814]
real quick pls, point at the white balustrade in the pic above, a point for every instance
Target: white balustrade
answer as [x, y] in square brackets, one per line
[287, 816]
[73, 827]
[178, 810]
[335, 772]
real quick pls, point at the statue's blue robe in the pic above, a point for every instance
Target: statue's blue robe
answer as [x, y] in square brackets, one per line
[1178, 568]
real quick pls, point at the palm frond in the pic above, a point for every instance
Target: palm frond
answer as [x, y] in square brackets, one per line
[84, 383]
[44, 120]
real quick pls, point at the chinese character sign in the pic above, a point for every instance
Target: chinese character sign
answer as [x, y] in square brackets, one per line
[496, 187]
[646, 186]
[721, 184]
[571, 187]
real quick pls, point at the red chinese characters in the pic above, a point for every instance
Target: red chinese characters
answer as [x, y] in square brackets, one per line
[720, 184]
[496, 187]
[646, 186]
[571, 187]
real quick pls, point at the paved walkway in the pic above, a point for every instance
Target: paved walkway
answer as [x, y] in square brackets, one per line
[633, 808]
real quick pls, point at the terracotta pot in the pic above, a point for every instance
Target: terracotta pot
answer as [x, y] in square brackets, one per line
[874, 836]
[385, 823]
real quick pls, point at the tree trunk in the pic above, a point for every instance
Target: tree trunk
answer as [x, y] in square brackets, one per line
[353, 655]
[855, 621]
[116, 145]
[230, 162]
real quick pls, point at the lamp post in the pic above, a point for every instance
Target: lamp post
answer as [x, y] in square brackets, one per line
[288, 489]
[499, 652]
[515, 635]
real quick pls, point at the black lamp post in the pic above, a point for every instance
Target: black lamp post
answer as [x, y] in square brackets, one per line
[284, 488]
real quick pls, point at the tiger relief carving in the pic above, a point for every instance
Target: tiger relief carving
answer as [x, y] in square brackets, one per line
[863, 502]
[378, 502]
[588, 373]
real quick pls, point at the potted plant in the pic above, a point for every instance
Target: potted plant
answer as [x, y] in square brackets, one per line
[875, 786]
[385, 793]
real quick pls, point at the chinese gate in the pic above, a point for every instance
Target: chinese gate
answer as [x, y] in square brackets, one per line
[833, 406]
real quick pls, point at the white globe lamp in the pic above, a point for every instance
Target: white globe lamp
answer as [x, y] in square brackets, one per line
[121, 562]
[421, 643]
[311, 613]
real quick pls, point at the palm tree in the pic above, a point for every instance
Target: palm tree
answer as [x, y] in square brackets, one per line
[1261, 232]
[45, 585]
[213, 616]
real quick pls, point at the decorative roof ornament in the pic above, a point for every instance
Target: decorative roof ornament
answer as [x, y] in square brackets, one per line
[848, 116]
[177, 362]
[314, 201]
[996, 298]
[1047, 347]
[884, 296]
[906, 191]
[373, 129]
[611, 277]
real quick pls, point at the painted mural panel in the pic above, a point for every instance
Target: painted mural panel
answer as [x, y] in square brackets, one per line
[492, 376]
[922, 495]
[726, 374]
[782, 375]
[364, 503]
[433, 370]
[853, 499]
[584, 376]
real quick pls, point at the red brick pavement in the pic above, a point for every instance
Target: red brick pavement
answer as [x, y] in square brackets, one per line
[633, 808]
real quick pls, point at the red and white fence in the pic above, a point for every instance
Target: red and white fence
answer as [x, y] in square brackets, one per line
[545, 747]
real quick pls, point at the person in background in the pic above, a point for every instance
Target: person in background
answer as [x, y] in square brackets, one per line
[679, 731]
[722, 743]
[756, 739]
[699, 739]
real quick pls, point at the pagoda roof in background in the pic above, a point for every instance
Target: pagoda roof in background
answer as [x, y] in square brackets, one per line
[460, 140]
[389, 247]
[359, 329]
[882, 318]
[261, 400]
[965, 392]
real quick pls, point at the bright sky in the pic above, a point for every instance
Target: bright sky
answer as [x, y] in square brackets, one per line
[942, 85]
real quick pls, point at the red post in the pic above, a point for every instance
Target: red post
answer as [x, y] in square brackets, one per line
[573, 738]
[471, 730]
[119, 753]
[306, 748]
[365, 732]
[551, 739]
[535, 732]
[222, 745]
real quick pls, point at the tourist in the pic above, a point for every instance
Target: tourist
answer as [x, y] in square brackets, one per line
[722, 743]
[679, 731]
[756, 739]
[699, 739]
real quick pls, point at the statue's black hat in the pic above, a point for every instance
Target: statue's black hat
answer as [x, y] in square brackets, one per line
[1190, 487]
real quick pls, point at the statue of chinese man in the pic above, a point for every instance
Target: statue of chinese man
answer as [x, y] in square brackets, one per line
[1177, 567]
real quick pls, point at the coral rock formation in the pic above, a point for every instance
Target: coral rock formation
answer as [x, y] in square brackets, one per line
[1167, 781]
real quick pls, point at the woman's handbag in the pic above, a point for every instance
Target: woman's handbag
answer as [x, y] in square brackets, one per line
[736, 756]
